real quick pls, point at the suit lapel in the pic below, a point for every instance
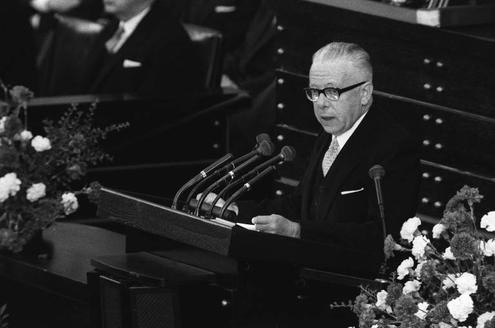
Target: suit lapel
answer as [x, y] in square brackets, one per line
[314, 168]
[346, 161]
[135, 41]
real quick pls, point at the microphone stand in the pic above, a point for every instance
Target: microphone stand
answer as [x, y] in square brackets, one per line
[201, 175]
[246, 187]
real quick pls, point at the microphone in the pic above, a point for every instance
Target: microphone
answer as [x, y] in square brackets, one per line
[262, 136]
[201, 175]
[263, 147]
[232, 173]
[376, 173]
[214, 210]
[287, 154]
[246, 187]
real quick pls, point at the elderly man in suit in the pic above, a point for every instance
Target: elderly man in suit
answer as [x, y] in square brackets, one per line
[146, 52]
[335, 201]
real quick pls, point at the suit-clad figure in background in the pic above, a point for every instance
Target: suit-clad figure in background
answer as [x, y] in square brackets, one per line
[146, 52]
[335, 201]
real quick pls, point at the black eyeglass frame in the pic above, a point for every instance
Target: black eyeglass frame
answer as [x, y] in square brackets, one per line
[339, 91]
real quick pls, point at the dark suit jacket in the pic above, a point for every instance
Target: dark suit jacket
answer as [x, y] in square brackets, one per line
[352, 220]
[161, 46]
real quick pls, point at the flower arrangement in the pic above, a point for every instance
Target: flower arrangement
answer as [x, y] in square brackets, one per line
[38, 173]
[447, 281]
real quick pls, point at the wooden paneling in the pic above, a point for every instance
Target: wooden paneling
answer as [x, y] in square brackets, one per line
[420, 62]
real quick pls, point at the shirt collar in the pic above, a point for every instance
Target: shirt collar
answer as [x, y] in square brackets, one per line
[130, 25]
[342, 138]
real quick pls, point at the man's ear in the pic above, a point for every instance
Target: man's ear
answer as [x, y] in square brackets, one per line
[366, 93]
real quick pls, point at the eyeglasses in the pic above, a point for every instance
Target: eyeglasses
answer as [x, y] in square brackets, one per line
[331, 93]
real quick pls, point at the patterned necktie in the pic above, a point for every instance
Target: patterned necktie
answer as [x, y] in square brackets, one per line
[330, 155]
[112, 43]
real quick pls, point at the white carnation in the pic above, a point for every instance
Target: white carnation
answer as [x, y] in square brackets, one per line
[489, 247]
[419, 246]
[482, 319]
[417, 271]
[403, 268]
[411, 286]
[488, 221]
[448, 255]
[70, 203]
[35, 192]
[437, 230]
[461, 307]
[26, 135]
[2, 124]
[449, 281]
[422, 310]
[381, 298]
[466, 283]
[409, 228]
[9, 186]
[40, 143]
[444, 325]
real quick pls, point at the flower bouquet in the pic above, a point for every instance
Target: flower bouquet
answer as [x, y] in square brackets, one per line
[38, 173]
[447, 281]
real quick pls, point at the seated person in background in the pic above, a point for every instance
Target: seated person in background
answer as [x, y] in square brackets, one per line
[335, 201]
[88, 9]
[146, 52]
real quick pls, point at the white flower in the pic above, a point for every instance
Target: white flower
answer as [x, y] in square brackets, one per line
[40, 143]
[489, 247]
[437, 230]
[411, 286]
[444, 325]
[381, 298]
[482, 319]
[466, 283]
[403, 268]
[2, 124]
[422, 310]
[448, 255]
[419, 245]
[488, 221]
[26, 135]
[36, 191]
[417, 271]
[9, 186]
[409, 228]
[449, 281]
[461, 307]
[70, 203]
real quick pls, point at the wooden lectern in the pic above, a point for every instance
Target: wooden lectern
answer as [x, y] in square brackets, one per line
[226, 238]
[292, 274]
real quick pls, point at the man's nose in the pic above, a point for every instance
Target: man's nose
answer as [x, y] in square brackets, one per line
[322, 100]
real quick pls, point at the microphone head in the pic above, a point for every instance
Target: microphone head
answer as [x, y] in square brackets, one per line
[262, 136]
[288, 153]
[265, 148]
[376, 171]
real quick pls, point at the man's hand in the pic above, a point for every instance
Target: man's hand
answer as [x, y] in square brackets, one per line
[277, 224]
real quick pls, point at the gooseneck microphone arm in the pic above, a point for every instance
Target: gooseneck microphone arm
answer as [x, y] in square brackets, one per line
[201, 175]
[263, 147]
[225, 178]
[287, 154]
[376, 173]
[246, 187]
